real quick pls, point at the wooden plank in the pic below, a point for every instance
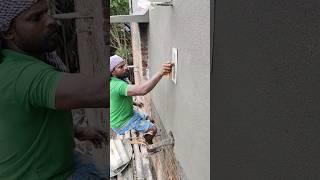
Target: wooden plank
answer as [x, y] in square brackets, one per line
[137, 159]
[127, 174]
[122, 150]
[120, 177]
[115, 158]
[73, 15]
[120, 137]
[145, 161]
[127, 135]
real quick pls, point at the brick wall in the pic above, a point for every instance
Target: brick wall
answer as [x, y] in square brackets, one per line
[144, 48]
[139, 40]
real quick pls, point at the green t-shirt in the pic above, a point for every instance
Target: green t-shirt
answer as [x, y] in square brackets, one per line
[36, 141]
[121, 105]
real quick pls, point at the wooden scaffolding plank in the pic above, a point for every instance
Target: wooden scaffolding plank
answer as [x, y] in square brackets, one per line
[137, 159]
[145, 161]
[127, 174]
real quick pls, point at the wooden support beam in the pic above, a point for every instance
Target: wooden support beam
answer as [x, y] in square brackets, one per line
[73, 15]
[93, 54]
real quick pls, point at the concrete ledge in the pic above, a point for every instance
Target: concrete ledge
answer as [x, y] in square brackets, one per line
[130, 18]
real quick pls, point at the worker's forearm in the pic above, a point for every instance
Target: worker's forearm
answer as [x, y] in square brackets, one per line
[151, 83]
[78, 91]
[101, 96]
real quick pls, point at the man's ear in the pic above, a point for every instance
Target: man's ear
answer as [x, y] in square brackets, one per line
[8, 35]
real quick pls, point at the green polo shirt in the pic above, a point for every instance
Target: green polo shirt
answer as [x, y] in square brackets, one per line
[36, 141]
[121, 105]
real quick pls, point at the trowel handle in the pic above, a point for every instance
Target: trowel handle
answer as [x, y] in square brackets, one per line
[168, 76]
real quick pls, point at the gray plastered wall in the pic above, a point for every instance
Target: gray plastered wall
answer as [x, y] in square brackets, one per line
[184, 108]
[266, 100]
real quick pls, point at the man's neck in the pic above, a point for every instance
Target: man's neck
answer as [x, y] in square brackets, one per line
[35, 55]
[121, 78]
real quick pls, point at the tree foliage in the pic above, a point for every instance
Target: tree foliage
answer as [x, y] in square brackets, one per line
[119, 7]
[120, 38]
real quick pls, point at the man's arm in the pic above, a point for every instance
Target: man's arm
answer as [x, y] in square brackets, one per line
[146, 87]
[80, 91]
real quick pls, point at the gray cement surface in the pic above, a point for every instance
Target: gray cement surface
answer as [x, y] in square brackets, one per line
[266, 90]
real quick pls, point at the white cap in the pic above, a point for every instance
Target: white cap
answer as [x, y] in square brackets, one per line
[115, 60]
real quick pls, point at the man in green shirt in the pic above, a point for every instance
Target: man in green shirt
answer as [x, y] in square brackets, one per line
[122, 115]
[36, 130]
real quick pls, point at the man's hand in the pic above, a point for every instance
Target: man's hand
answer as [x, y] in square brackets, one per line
[94, 135]
[166, 68]
[138, 103]
[146, 87]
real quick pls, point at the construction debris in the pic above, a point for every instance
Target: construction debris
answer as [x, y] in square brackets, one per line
[120, 156]
[140, 166]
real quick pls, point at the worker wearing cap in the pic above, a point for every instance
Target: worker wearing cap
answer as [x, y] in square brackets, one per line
[36, 129]
[122, 115]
